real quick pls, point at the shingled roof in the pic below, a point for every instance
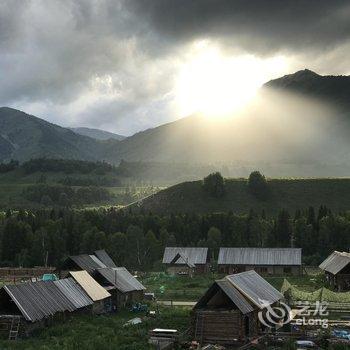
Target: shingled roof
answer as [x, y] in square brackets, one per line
[259, 256]
[193, 256]
[335, 262]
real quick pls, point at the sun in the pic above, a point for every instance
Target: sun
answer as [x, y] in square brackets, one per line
[215, 85]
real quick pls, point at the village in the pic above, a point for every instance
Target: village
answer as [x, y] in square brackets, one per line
[248, 298]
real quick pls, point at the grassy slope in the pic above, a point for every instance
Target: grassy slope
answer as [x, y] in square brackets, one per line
[101, 332]
[183, 288]
[291, 194]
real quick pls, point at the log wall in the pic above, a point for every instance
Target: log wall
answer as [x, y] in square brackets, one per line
[222, 327]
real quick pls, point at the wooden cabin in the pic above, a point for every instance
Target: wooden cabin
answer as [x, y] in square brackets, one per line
[186, 260]
[227, 313]
[122, 285]
[265, 261]
[29, 306]
[337, 270]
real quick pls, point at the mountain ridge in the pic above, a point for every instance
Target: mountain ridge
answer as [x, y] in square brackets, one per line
[97, 134]
[251, 139]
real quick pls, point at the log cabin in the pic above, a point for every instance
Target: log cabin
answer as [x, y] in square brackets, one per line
[265, 261]
[227, 313]
[186, 260]
[337, 270]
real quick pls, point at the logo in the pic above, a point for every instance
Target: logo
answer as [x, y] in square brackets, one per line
[272, 316]
[304, 314]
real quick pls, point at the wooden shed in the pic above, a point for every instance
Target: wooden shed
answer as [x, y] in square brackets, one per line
[228, 312]
[186, 260]
[123, 286]
[265, 261]
[28, 306]
[337, 270]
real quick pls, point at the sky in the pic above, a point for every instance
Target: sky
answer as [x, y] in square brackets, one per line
[129, 65]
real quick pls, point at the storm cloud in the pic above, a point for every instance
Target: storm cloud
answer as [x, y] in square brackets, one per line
[112, 64]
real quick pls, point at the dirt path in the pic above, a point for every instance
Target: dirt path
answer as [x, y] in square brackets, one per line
[176, 303]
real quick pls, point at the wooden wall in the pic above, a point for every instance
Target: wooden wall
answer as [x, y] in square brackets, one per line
[222, 326]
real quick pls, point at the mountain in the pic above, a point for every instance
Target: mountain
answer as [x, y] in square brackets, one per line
[23, 136]
[290, 194]
[97, 134]
[334, 89]
[301, 118]
[298, 125]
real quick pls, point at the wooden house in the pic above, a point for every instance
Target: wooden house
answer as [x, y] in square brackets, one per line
[337, 270]
[228, 312]
[186, 260]
[28, 306]
[118, 281]
[265, 261]
[123, 286]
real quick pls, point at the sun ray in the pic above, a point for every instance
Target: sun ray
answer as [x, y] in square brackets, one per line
[216, 85]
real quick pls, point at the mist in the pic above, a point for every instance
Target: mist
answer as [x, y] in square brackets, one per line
[282, 134]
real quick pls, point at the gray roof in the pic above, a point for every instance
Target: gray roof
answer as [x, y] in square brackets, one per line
[105, 258]
[335, 262]
[238, 299]
[259, 256]
[37, 300]
[121, 278]
[232, 293]
[255, 288]
[73, 292]
[87, 262]
[183, 260]
[192, 255]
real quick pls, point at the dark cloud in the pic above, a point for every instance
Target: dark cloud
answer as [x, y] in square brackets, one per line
[114, 62]
[256, 25]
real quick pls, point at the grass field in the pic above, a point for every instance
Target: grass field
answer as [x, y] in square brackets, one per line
[101, 332]
[184, 288]
[291, 194]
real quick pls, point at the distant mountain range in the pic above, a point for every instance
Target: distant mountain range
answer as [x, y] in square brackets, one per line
[98, 134]
[277, 130]
[24, 136]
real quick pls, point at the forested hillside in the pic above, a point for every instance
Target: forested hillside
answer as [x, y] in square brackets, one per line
[47, 182]
[137, 241]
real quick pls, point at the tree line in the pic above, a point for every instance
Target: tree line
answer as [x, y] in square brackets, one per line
[137, 240]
